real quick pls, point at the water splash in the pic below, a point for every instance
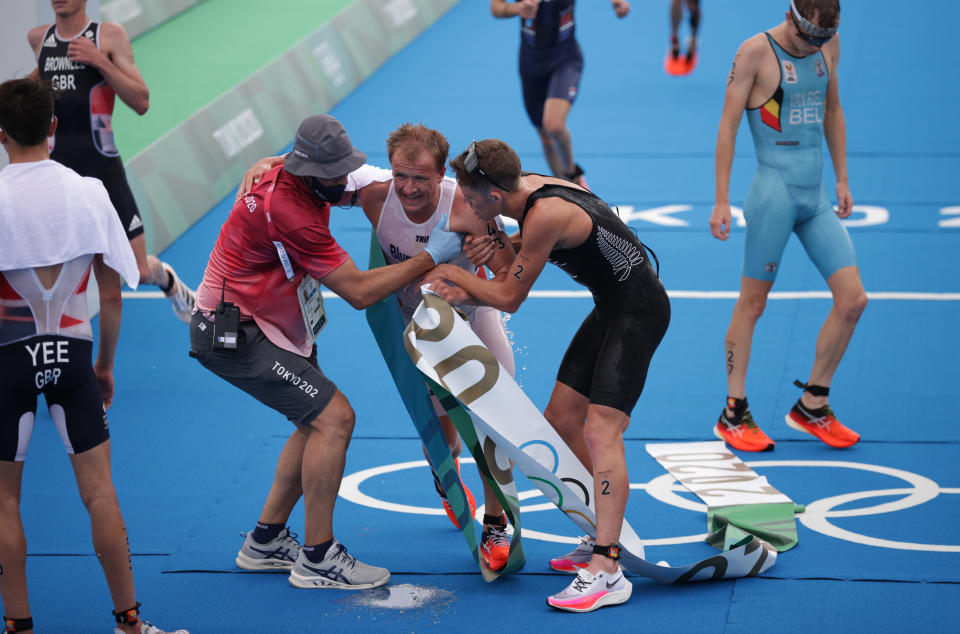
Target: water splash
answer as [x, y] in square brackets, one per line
[404, 596]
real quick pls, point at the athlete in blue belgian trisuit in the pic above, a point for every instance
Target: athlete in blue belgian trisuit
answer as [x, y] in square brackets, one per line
[550, 67]
[90, 64]
[604, 369]
[786, 80]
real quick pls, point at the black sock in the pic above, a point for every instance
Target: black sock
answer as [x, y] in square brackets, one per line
[495, 520]
[166, 291]
[317, 552]
[265, 533]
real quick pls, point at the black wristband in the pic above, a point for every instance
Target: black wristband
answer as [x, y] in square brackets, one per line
[815, 390]
[612, 551]
[18, 625]
[128, 617]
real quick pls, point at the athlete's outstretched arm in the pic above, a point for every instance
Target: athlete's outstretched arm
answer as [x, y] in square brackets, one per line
[743, 73]
[835, 129]
[114, 60]
[365, 288]
[507, 292]
[253, 175]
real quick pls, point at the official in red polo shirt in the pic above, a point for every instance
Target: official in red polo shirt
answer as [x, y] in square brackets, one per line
[259, 309]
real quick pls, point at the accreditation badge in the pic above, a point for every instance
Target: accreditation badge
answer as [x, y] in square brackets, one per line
[311, 306]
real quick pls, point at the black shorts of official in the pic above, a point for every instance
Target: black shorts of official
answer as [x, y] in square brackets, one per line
[558, 80]
[289, 383]
[608, 359]
[59, 368]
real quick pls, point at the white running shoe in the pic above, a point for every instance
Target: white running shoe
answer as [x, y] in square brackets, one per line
[588, 592]
[182, 299]
[337, 570]
[577, 558]
[148, 628]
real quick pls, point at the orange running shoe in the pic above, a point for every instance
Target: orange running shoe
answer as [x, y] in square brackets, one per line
[743, 435]
[471, 502]
[822, 423]
[495, 544]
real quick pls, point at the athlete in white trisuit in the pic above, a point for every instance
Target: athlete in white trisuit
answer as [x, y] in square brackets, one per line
[401, 238]
[404, 204]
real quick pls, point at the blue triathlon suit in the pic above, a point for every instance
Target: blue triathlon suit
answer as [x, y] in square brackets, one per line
[788, 193]
[84, 108]
[550, 59]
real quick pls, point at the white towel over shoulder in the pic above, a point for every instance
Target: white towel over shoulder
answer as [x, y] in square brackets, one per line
[49, 214]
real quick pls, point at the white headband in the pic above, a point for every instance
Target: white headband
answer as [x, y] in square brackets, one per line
[810, 27]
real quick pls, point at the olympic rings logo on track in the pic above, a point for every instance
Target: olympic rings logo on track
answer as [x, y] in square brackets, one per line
[664, 488]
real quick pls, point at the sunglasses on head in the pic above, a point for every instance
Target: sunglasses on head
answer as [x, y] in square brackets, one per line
[808, 31]
[472, 164]
[812, 40]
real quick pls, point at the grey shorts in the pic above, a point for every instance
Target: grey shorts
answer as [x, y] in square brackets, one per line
[289, 383]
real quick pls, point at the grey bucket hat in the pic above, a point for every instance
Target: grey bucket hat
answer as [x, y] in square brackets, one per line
[322, 149]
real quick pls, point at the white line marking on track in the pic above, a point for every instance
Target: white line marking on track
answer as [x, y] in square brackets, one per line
[880, 295]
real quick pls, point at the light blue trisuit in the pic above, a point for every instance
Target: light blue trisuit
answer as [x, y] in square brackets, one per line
[788, 193]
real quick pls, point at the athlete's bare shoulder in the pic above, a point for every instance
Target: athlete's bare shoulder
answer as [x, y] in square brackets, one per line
[754, 48]
[35, 37]
[113, 33]
[371, 198]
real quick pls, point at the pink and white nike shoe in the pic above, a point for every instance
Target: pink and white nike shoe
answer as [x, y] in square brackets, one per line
[591, 591]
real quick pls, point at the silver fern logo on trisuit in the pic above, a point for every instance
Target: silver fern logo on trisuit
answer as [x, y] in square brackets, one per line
[622, 254]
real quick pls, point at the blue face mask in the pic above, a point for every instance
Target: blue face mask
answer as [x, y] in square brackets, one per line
[331, 195]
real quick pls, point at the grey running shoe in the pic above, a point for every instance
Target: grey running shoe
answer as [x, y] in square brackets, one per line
[182, 299]
[148, 628]
[278, 554]
[337, 570]
[576, 559]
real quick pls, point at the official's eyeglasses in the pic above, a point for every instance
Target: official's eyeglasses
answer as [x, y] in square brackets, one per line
[472, 164]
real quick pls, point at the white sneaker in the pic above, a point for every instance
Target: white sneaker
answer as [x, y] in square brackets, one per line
[278, 554]
[337, 570]
[577, 558]
[588, 592]
[182, 299]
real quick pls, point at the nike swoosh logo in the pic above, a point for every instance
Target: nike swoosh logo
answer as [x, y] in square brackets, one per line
[610, 584]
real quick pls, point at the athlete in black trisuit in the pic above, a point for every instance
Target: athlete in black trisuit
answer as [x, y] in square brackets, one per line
[604, 369]
[89, 64]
